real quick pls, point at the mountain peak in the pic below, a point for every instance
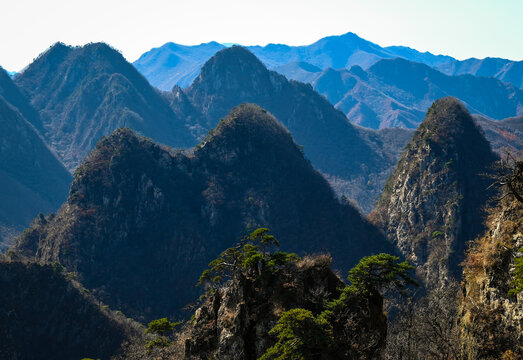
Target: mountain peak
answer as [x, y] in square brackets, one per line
[448, 122]
[432, 203]
[249, 132]
[234, 57]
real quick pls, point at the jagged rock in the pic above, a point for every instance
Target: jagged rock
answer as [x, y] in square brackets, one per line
[234, 322]
[432, 203]
[491, 320]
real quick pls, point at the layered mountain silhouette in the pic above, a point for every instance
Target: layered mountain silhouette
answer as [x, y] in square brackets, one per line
[335, 147]
[174, 64]
[84, 93]
[142, 222]
[501, 69]
[32, 179]
[397, 93]
[432, 203]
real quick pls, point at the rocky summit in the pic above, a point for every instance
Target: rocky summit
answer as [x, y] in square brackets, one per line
[432, 203]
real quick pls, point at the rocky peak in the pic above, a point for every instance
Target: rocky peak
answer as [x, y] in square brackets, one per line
[431, 204]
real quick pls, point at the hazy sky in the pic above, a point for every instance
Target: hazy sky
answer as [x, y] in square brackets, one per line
[460, 28]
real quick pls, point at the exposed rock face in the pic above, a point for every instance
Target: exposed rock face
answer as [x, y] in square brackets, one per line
[43, 315]
[84, 93]
[141, 222]
[234, 323]
[431, 205]
[491, 320]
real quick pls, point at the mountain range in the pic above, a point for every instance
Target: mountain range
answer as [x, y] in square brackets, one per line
[141, 221]
[174, 64]
[73, 96]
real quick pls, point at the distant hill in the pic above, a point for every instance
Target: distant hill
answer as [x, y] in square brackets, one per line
[142, 222]
[32, 179]
[173, 64]
[397, 92]
[84, 93]
[501, 69]
[506, 134]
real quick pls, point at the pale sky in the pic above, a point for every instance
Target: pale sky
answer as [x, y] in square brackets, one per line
[460, 28]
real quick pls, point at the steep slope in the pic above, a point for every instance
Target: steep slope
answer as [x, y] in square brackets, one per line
[12, 95]
[141, 223]
[501, 69]
[84, 93]
[432, 203]
[335, 147]
[174, 64]
[490, 318]
[43, 315]
[32, 180]
[397, 92]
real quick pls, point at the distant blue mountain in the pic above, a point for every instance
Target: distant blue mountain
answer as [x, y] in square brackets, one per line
[173, 64]
[398, 92]
[502, 69]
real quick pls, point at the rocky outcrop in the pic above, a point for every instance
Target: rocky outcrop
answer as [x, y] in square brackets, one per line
[491, 320]
[45, 315]
[142, 222]
[234, 323]
[431, 204]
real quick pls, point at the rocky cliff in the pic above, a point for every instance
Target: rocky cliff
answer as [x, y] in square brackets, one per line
[432, 203]
[492, 320]
[234, 322]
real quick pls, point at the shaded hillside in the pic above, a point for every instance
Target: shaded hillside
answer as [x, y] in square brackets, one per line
[397, 93]
[432, 203]
[32, 180]
[43, 315]
[12, 95]
[141, 223]
[84, 93]
[501, 69]
[490, 318]
[335, 147]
